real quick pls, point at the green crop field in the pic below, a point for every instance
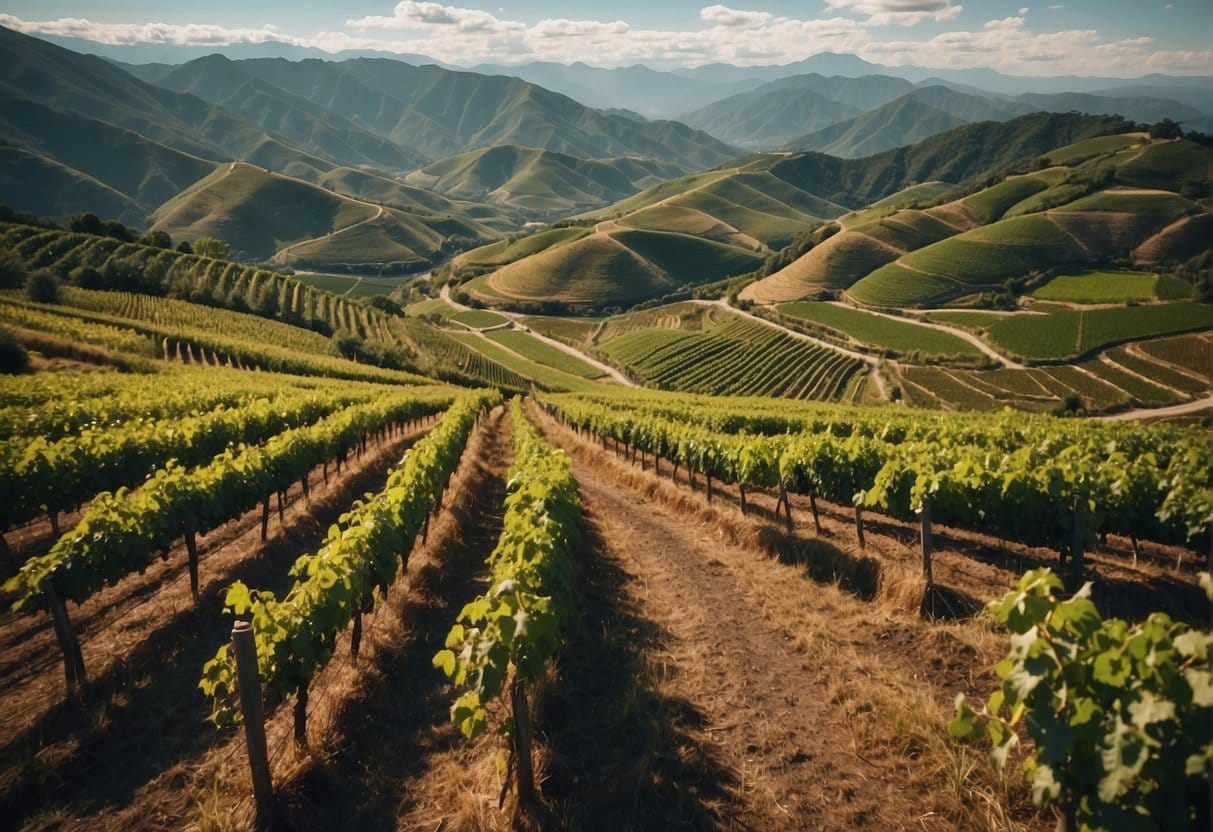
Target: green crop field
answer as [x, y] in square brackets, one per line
[990, 204]
[433, 306]
[1096, 393]
[964, 319]
[530, 347]
[1168, 164]
[1079, 152]
[1158, 372]
[902, 336]
[1108, 326]
[572, 331]
[1143, 391]
[1191, 352]
[1064, 332]
[1099, 287]
[479, 319]
[1049, 336]
[546, 377]
[945, 386]
[891, 285]
[739, 357]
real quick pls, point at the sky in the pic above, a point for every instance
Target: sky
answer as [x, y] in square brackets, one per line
[1072, 37]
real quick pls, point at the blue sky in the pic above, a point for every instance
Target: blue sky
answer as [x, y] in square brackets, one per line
[1083, 37]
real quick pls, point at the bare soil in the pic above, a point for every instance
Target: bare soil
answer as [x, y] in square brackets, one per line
[746, 695]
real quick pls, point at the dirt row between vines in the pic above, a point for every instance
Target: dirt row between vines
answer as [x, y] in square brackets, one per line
[144, 642]
[789, 704]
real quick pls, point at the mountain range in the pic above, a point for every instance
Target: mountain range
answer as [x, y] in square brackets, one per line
[419, 154]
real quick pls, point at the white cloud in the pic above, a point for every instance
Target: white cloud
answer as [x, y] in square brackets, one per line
[467, 36]
[411, 15]
[1024, 11]
[114, 34]
[1056, 8]
[724, 16]
[898, 12]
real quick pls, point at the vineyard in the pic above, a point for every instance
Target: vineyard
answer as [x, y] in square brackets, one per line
[739, 357]
[513, 555]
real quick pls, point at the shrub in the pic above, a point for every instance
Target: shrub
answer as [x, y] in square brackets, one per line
[42, 287]
[13, 357]
[12, 271]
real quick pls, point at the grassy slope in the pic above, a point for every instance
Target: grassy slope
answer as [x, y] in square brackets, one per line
[260, 213]
[540, 181]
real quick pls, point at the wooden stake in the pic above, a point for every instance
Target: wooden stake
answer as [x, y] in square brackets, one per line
[301, 718]
[248, 682]
[741, 491]
[813, 508]
[927, 542]
[356, 635]
[191, 546]
[281, 513]
[859, 525]
[73, 660]
[1078, 540]
[522, 740]
[787, 503]
[265, 518]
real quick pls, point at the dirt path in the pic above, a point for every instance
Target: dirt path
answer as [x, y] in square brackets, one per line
[613, 372]
[1188, 409]
[789, 704]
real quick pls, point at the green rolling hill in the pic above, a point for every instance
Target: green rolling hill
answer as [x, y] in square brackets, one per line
[906, 120]
[263, 215]
[1121, 222]
[619, 266]
[539, 182]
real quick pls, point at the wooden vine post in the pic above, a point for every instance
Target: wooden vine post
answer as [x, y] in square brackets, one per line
[1078, 541]
[522, 739]
[859, 524]
[191, 546]
[248, 680]
[926, 540]
[73, 659]
[787, 503]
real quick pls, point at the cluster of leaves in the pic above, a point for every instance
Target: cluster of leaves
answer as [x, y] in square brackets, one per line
[295, 637]
[1018, 476]
[47, 475]
[518, 622]
[121, 531]
[1119, 715]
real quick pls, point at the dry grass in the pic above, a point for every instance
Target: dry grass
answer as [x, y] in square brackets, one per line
[889, 676]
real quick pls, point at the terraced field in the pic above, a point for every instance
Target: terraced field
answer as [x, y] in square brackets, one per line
[1068, 332]
[903, 337]
[741, 357]
[1099, 287]
[541, 353]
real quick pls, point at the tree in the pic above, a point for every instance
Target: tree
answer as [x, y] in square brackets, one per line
[184, 247]
[42, 287]
[13, 357]
[158, 239]
[210, 247]
[1166, 129]
[12, 270]
[84, 223]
